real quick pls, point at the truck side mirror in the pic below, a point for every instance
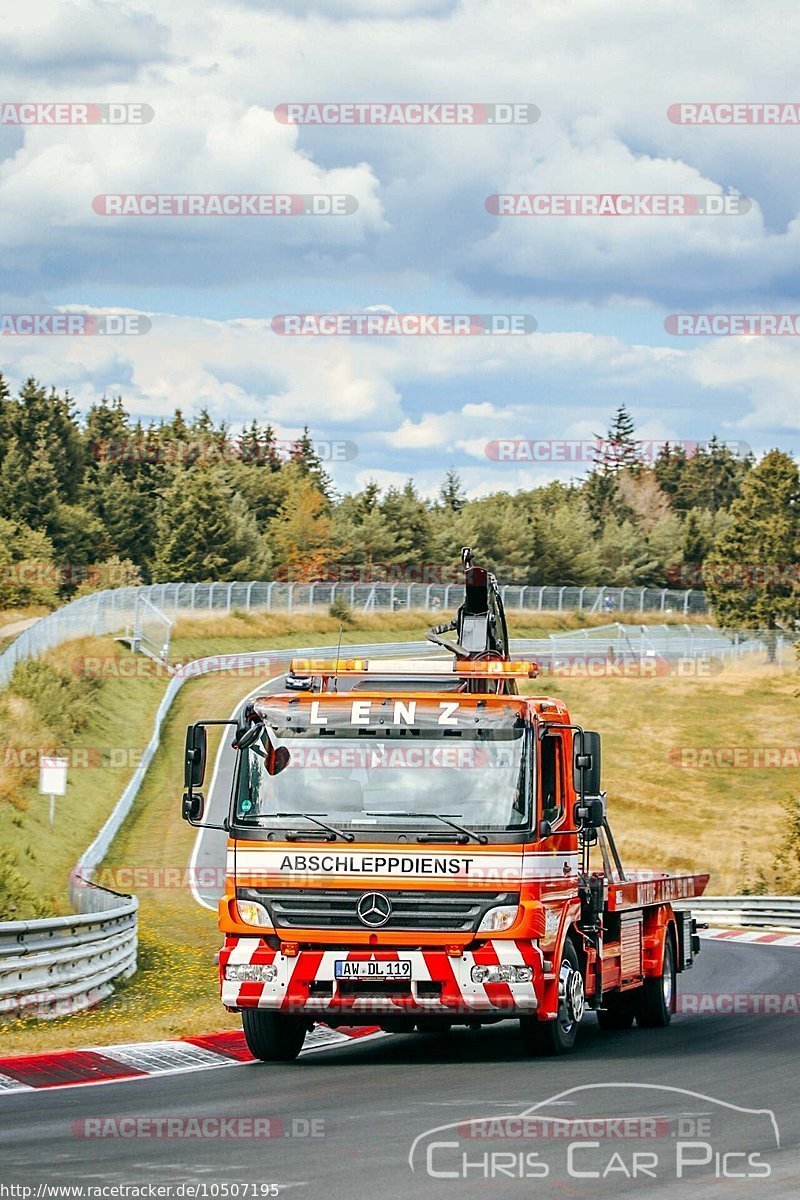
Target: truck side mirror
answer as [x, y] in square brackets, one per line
[276, 758]
[586, 762]
[195, 760]
[193, 807]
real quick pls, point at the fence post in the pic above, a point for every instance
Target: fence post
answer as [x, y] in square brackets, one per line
[686, 602]
[230, 594]
[249, 594]
[561, 599]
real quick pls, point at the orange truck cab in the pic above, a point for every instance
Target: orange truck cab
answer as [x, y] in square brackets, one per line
[411, 846]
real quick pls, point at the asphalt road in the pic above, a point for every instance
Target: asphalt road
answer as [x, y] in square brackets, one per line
[372, 1101]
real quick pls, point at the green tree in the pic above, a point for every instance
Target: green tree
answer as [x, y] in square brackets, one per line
[307, 460]
[408, 517]
[451, 494]
[29, 485]
[619, 449]
[27, 572]
[198, 537]
[752, 578]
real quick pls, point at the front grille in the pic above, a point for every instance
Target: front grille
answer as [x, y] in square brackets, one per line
[329, 908]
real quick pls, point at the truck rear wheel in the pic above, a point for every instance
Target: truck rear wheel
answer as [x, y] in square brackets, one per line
[654, 1002]
[548, 1038]
[273, 1037]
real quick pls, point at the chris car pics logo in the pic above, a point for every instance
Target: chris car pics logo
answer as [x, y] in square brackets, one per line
[606, 1133]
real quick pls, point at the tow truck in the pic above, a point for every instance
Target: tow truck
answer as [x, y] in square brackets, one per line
[419, 843]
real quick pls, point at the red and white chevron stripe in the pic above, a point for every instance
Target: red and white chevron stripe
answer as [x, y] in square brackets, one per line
[290, 991]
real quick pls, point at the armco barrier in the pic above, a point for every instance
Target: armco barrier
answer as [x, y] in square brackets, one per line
[759, 912]
[61, 965]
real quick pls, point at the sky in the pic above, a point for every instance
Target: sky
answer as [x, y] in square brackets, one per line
[418, 237]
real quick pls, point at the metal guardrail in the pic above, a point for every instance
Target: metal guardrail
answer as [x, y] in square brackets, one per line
[760, 912]
[62, 965]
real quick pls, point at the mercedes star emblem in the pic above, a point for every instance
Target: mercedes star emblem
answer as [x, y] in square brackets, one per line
[373, 909]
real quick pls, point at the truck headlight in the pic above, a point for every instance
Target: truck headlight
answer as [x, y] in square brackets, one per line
[502, 973]
[496, 919]
[253, 913]
[251, 973]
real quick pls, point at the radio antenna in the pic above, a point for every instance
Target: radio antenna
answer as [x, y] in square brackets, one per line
[338, 653]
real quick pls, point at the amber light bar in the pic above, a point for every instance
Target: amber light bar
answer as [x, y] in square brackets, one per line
[415, 667]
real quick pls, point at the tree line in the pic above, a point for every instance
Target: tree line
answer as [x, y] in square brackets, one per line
[104, 500]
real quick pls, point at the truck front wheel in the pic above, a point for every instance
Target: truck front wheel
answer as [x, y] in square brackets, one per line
[654, 1005]
[558, 1037]
[273, 1037]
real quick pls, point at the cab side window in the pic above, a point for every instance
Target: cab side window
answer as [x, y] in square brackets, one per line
[551, 776]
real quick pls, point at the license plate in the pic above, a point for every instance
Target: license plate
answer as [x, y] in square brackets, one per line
[345, 969]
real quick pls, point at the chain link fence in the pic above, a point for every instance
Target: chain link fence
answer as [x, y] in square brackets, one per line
[119, 610]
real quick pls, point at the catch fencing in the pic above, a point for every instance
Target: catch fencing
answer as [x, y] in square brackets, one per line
[121, 610]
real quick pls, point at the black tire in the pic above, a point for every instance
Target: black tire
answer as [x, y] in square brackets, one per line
[655, 997]
[550, 1038]
[273, 1037]
[436, 1025]
[618, 1013]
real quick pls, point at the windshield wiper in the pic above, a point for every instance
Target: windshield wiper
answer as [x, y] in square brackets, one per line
[468, 833]
[348, 837]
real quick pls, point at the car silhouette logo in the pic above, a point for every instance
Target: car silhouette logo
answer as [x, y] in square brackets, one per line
[373, 909]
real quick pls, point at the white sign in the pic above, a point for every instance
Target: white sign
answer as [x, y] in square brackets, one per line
[53, 776]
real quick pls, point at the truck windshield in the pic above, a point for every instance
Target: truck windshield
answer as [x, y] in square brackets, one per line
[371, 777]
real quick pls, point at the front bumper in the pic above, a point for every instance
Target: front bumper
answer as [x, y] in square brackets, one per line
[440, 985]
